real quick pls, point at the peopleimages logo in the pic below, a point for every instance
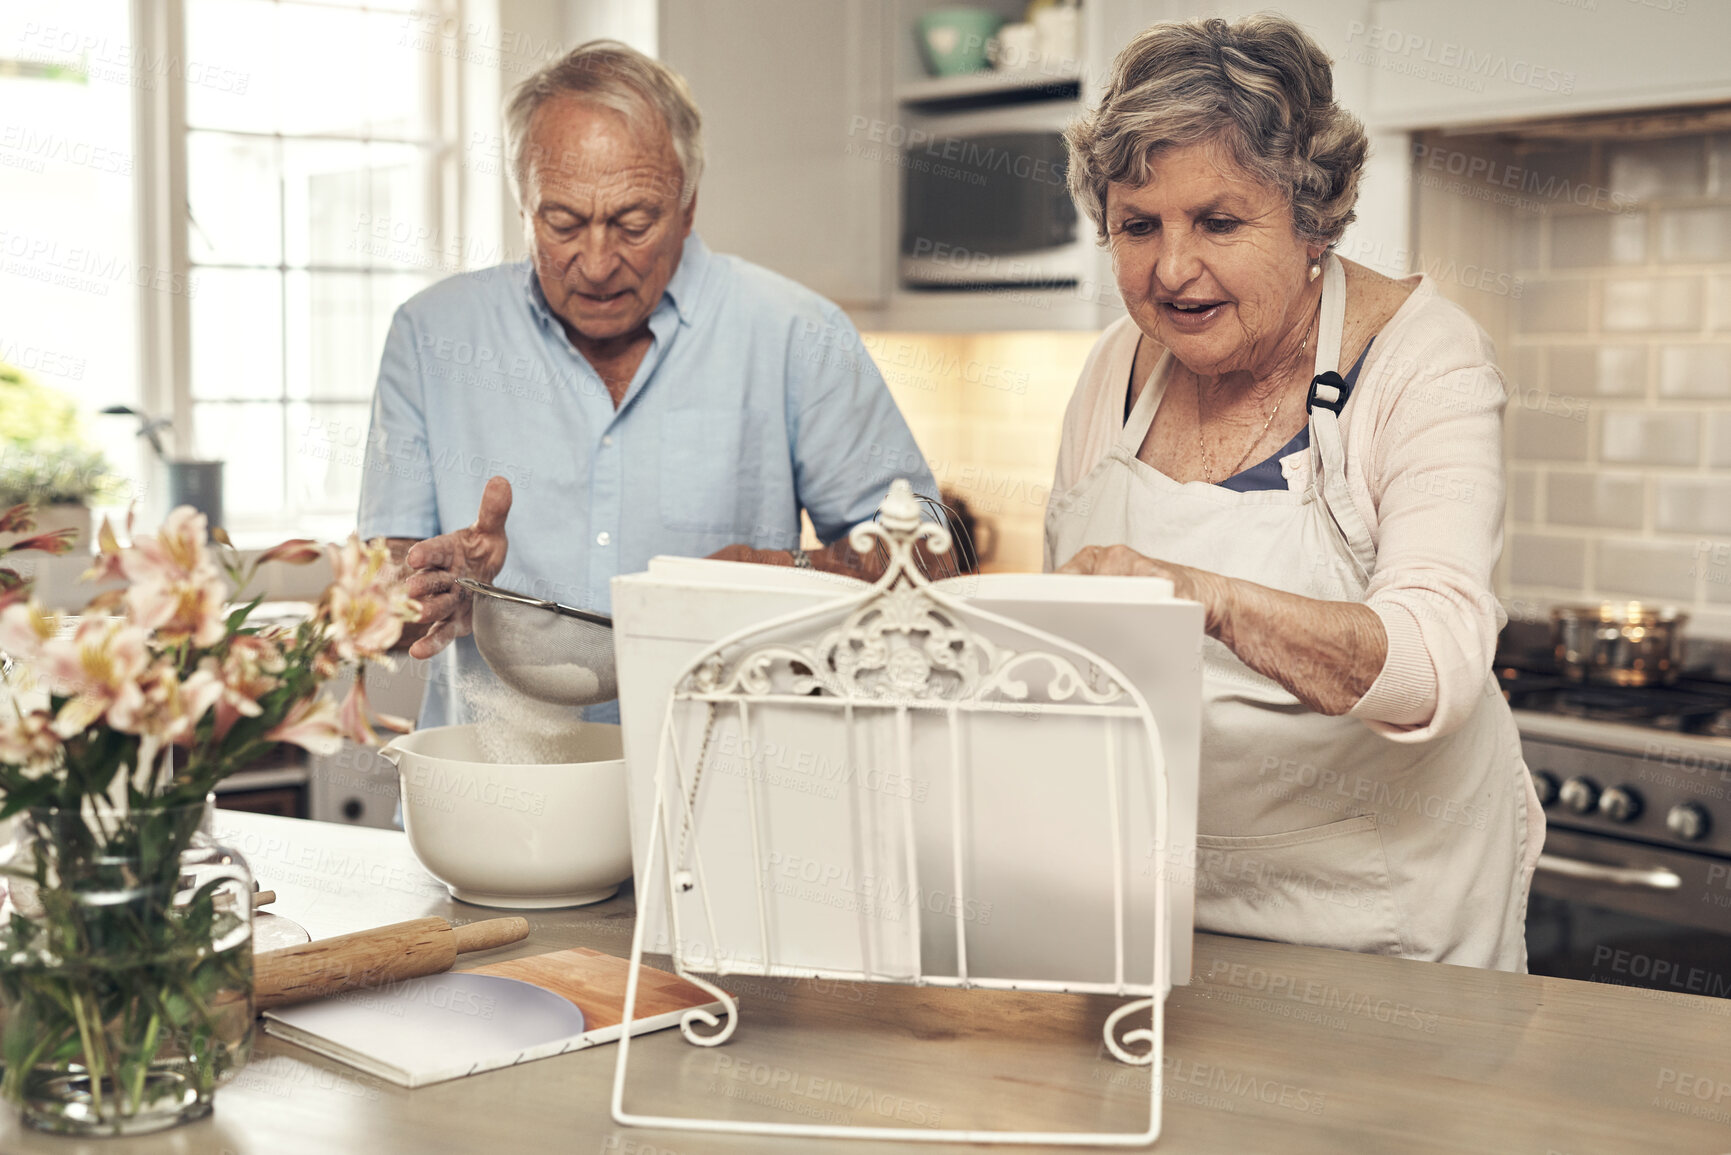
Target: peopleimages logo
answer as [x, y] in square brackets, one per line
[1663, 972]
[973, 157]
[1538, 186]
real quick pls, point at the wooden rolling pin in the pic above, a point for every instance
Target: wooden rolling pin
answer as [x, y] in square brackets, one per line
[370, 958]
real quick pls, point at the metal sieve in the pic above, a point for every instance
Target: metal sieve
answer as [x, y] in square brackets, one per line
[544, 650]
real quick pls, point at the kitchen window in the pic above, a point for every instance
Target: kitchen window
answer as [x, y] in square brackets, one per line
[317, 198]
[68, 262]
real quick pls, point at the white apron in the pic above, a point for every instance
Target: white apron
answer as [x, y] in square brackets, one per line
[1315, 829]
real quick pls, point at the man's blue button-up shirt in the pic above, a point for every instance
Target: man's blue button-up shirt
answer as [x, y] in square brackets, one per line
[755, 400]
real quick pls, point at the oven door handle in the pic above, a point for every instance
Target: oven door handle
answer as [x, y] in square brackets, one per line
[1650, 877]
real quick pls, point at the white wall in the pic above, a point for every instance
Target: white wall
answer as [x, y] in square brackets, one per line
[1438, 62]
[631, 21]
[528, 34]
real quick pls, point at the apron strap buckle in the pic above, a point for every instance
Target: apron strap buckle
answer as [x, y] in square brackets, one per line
[1328, 391]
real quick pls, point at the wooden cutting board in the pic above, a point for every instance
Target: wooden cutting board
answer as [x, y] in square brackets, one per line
[596, 983]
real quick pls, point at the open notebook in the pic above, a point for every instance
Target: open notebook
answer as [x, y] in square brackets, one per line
[445, 1026]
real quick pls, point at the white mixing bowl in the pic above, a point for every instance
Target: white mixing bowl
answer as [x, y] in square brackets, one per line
[521, 836]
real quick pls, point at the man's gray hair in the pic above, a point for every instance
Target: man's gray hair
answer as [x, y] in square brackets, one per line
[1258, 86]
[615, 76]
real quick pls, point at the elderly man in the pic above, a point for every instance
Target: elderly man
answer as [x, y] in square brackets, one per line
[628, 392]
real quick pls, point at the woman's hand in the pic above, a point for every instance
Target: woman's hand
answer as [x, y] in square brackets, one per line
[1326, 654]
[1196, 585]
[477, 552]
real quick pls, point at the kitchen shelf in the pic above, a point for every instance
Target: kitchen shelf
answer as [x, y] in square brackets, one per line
[1018, 84]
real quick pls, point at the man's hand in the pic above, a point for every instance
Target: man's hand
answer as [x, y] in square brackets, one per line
[477, 552]
[743, 552]
[839, 558]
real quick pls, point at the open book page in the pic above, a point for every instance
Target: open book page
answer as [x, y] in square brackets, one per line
[803, 818]
[1014, 586]
[445, 1026]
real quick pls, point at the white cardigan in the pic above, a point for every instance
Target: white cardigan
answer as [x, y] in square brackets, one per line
[1423, 433]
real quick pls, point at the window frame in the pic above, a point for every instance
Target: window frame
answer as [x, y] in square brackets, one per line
[456, 196]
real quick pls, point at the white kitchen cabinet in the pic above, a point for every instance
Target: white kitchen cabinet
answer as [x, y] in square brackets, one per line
[1478, 61]
[354, 785]
[801, 102]
[789, 90]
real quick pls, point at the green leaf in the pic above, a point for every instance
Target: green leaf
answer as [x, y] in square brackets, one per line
[236, 618]
[32, 793]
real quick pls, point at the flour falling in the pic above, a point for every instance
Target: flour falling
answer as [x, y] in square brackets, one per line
[514, 730]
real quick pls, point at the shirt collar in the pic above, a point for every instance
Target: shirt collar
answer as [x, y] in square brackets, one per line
[682, 290]
[687, 279]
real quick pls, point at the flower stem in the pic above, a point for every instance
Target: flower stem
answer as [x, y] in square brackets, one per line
[90, 1036]
[146, 1053]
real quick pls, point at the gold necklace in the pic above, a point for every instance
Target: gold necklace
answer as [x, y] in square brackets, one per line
[1208, 458]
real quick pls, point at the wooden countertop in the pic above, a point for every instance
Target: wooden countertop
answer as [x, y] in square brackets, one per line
[1274, 1049]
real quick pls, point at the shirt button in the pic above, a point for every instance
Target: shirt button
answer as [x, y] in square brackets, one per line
[607, 440]
[603, 538]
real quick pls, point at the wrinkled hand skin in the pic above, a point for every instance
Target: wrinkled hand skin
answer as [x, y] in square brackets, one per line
[1325, 653]
[839, 558]
[476, 552]
[1195, 585]
[742, 552]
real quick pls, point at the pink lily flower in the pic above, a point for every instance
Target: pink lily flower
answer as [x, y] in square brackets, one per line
[314, 724]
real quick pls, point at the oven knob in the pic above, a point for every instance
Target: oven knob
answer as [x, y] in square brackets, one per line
[1580, 795]
[1620, 804]
[1545, 786]
[1688, 822]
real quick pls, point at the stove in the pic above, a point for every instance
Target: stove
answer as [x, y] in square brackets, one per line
[1635, 884]
[1686, 707]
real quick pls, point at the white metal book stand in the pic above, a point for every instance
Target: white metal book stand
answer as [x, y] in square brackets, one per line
[850, 883]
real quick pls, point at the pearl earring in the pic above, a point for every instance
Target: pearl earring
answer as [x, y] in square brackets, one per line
[1315, 269]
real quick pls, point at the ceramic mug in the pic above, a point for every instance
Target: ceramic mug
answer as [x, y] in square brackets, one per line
[1016, 46]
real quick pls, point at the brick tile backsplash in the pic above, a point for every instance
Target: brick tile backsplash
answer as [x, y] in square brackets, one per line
[1543, 560]
[1719, 303]
[1590, 500]
[1520, 364]
[993, 448]
[1695, 371]
[1541, 436]
[1599, 239]
[1650, 304]
[1523, 495]
[1625, 317]
[1719, 166]
[1649, 169]
[1717, 581]
[1719, 441]
[1646, 569]
[1693, 505]
[1598, 370]
[1560, 307]
[1694, 235]
[1635, 437]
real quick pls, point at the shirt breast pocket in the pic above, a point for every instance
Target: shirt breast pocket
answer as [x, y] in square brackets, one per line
[710, 472]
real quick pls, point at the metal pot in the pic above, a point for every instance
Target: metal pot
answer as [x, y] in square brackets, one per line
[1623, 644]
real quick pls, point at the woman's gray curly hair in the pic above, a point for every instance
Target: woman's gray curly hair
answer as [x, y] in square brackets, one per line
[1259, 86]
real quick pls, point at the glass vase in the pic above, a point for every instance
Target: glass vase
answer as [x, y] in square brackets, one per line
[125, 969]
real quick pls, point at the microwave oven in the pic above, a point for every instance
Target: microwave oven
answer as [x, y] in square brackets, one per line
[985, 204]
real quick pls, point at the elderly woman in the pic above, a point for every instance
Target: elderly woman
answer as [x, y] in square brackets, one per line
[1313, 452]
